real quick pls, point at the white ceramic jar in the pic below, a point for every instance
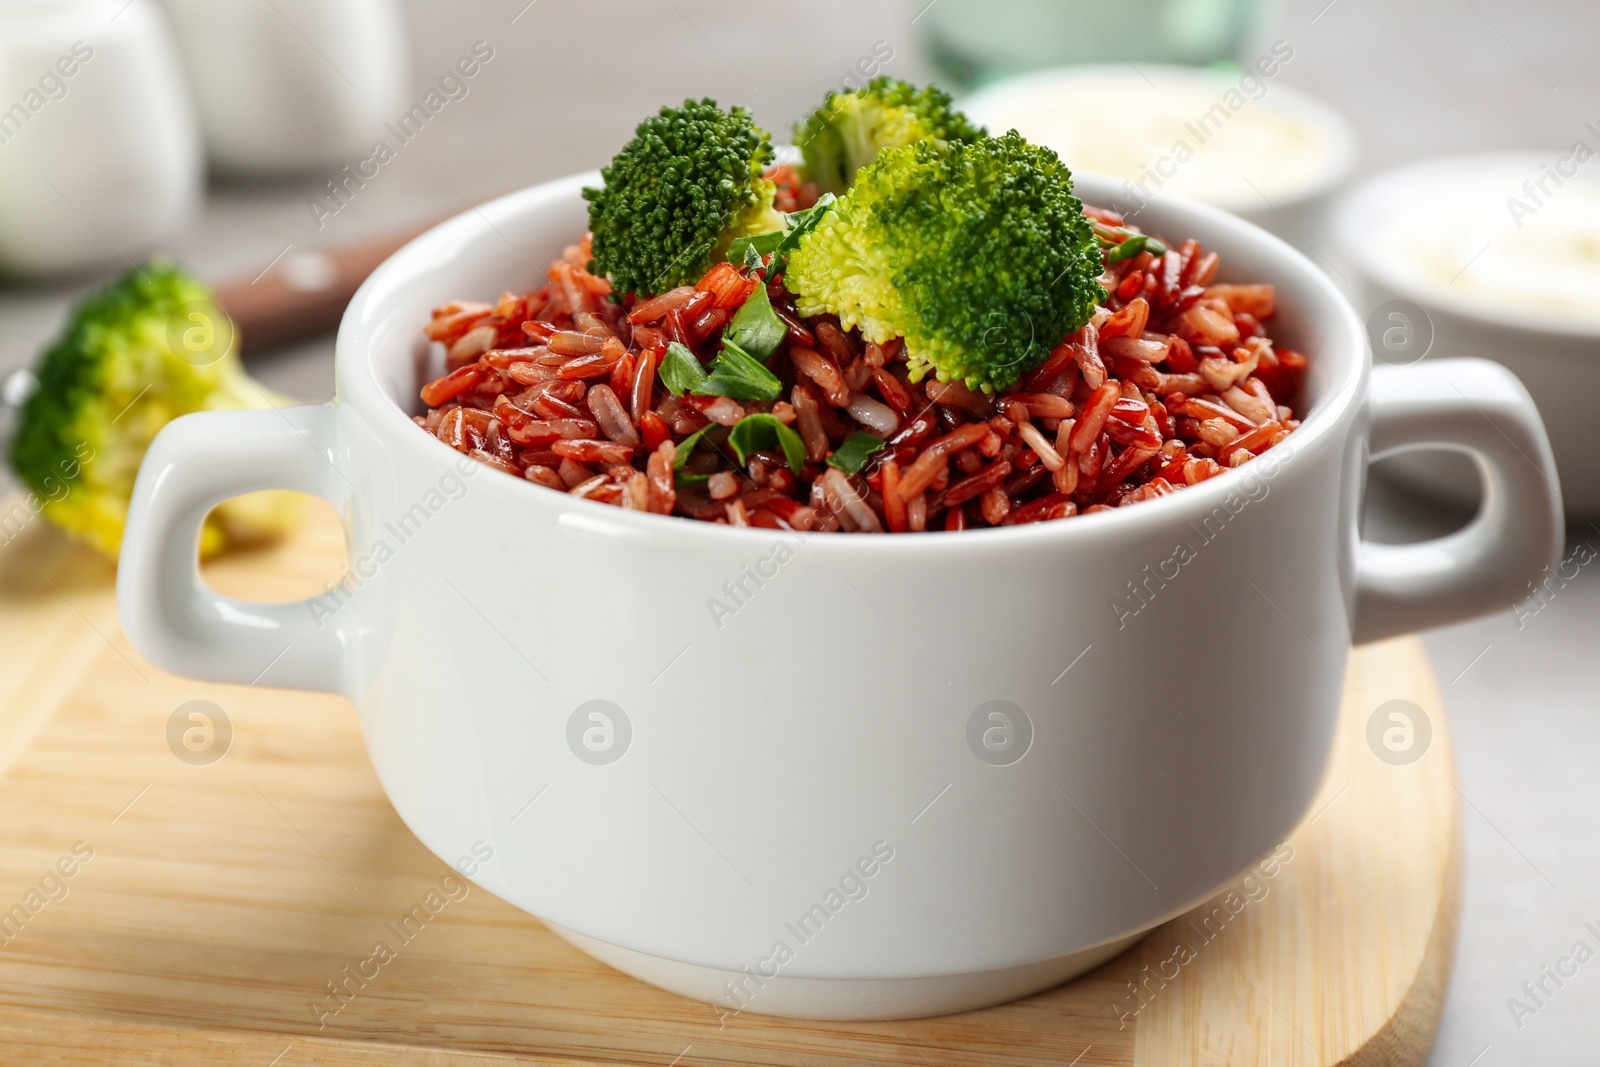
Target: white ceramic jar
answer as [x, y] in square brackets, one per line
[287, 85]
[99, 154]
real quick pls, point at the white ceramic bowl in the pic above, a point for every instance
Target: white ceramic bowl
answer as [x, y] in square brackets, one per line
[1063, 107]
[1556, 357]
[909, 774]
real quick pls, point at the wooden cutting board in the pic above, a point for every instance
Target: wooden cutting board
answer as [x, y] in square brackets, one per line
[221, 898]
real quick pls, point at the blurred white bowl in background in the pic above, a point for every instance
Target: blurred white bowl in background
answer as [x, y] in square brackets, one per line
[287, 85]
[1494, 255]
[1237, 140]
[99, 153]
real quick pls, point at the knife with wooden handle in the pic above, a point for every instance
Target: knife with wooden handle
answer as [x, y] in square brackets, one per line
[303, 294]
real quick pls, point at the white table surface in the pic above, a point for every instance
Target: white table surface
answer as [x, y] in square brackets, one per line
[1418, 78]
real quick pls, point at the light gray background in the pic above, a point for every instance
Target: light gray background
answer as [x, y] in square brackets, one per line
[1418, 77]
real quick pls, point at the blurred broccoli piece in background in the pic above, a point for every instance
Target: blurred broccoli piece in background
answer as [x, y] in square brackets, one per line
[977, 254]
[849, 130]
[134, 356]
[678, 194]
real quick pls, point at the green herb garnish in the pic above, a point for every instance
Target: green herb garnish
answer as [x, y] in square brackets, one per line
[756, 328]
[681, 371]
[685, 449]
[734, 373]
[853, 454]
[738, 374]
[1129, 245]
[796, 224]
[759, 245]
[760, 433]
[1127, 249]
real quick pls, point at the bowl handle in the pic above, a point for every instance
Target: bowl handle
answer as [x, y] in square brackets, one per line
[1479, 407]
[172, 617]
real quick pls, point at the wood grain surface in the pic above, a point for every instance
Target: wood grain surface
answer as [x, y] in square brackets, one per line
[223, 898]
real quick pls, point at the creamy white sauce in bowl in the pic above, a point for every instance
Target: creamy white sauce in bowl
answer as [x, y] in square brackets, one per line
[1240, 141]
[1510, 238]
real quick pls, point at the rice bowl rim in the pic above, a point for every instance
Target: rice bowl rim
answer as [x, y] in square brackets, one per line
[1341, 356]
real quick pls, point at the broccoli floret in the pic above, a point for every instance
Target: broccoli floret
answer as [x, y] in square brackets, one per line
[849, 130]
[977, 254]
[678, 194]
[134, 356]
